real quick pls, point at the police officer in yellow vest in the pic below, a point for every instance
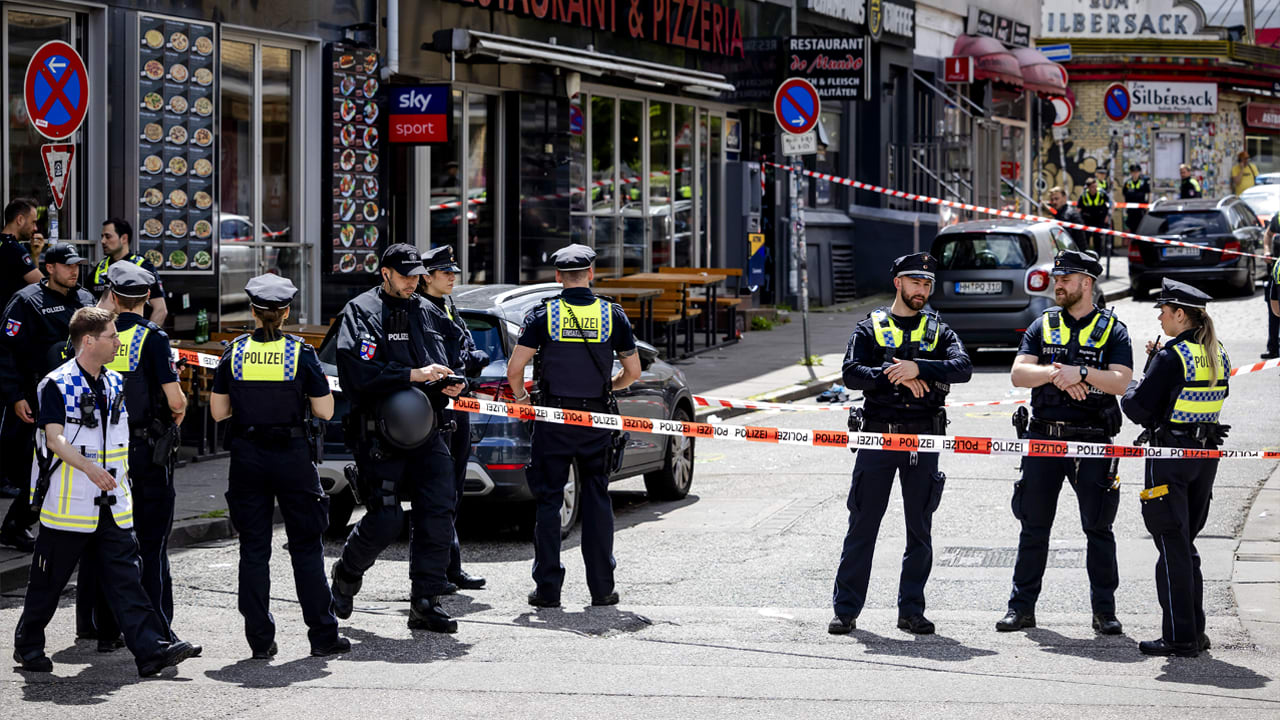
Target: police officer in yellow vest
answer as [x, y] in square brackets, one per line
[156, 407]
[904, 359]
[116, 234]
[81, 485]
[1076, 360]
[1179, 401]
[577, 335]
[1095, 208]
[1137, 191]
[266, 384]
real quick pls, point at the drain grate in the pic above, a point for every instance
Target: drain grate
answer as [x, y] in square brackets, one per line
[986, 557]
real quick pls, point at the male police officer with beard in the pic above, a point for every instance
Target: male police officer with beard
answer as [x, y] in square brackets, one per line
[33, 341]
[904, 361]
[1076, 359]
[391, 358]
[466, 360]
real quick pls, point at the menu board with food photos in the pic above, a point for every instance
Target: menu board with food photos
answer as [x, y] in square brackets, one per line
[177, 64]
[356, 185]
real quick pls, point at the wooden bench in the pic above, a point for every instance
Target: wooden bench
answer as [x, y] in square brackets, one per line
[669, 309]
[728, 304]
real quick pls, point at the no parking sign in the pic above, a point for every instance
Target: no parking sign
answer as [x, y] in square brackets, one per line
[56, 90]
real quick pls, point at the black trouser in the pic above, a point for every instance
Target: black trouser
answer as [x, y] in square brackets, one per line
[1035, 501]
[261, 476]
[114, 553]
[17, 446]
[1273, 323]
[1174, 520]
[873, 472]
[425, 475]
[555, 449]
[1132, 219]
[1094, 240]
[153, 507]
[460, 450]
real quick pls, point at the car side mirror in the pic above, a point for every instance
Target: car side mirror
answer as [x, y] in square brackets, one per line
[648, 354]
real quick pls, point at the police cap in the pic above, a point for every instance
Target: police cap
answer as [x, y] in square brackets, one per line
[404, 259]
[1069, 262]
[63, 253]
[270, 292]
[130, 280]
[1173, 292]
[440, 258]
[573, 257]
[1135, 167]
[919, 265]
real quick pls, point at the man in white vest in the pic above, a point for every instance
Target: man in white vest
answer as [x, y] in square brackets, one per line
[81, 486]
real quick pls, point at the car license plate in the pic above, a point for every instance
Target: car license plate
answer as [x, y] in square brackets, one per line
[978, 288]
[1180, 252]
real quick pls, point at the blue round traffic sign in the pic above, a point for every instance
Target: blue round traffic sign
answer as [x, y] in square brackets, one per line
[796, 106]
[1116, 102]
[56, 90]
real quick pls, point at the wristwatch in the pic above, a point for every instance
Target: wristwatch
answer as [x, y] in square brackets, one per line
[1084, 373]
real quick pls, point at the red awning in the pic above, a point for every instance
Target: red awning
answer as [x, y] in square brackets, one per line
[992, 61]
[1041, 74]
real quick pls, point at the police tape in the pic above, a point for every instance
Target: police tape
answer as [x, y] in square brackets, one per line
[1006, 213]
[951, 445]
[210, 362]
[714, 401]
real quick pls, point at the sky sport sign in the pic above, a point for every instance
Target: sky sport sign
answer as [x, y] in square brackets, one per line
[1174, 97]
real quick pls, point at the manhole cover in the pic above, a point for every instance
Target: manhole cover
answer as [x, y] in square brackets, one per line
[985, 557]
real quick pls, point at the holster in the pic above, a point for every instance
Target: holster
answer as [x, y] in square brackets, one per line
[163, 438]
[617, 440]
[1021, 419]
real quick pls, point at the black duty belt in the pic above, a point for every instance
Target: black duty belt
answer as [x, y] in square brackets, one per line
[569, 403]
[1065, 430]
[915, 427]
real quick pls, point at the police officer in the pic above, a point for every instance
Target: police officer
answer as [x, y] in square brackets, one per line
[1179, 401]
[82, 488]
[1095, 208]
[1076, 359]
[1104, 185]
[33, 341]
[265, 384]
[17, 270]
[1189, 187]
[1137, 191]
[466, 360]
[116, 234]
[156, 407]
[391, 360]
[577, 335]
[904, 360]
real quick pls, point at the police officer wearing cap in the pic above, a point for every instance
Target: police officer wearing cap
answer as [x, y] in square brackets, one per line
[33, 341]
[268, 383]
[156, 407]
[575, 336]
[467, 361]
[1137, 191]
[393, 366]
[1076, 359]
[1179, 402]
[904, 359]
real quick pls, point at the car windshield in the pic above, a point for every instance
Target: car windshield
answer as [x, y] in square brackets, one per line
[984, 251]
[1190, 224]
[1263, 203]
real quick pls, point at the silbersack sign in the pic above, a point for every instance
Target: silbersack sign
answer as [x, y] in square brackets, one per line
[1173, 97]
[837, 66]
[1124, 19]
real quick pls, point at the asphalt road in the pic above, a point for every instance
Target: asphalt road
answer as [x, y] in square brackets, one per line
[725, 599]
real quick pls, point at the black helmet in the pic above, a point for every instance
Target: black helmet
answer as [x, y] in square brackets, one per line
[406, 419]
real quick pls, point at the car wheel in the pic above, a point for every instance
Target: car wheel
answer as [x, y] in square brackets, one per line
[1245, 289]
[675, 478]
[1141, 292]
[572, 505]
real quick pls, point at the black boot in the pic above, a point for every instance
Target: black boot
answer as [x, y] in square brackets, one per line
[425, 613]
[18, 538]
[841, 625]
[344, 589]
[1165, 649]
[1107, 624]
[466, 580]
[1014, 620]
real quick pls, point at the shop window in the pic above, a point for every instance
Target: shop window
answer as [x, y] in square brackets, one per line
[680, 211]
[631, 165]
[482, 136]
[544, 176]
[601, 194]
[446, 206]
[827, 160]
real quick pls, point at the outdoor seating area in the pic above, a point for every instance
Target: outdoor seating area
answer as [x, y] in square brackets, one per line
[674, 299]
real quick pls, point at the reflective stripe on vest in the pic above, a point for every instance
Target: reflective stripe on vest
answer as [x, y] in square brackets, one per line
[888, 334]
[1091, 201]
[594, 322]
[1054, 332]
[1202, 394]
[100, 273]
[1133, 185]
[275, 361]
[1275, 271]
[129, 354]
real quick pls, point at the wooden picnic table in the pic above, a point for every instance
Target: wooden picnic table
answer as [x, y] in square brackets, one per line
[681, 281]
[645, 297]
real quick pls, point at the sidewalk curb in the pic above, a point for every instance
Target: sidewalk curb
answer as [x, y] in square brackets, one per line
[1255, 568]
[789, 393]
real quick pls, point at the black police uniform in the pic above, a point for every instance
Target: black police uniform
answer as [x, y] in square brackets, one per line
[466, 360]
[1098, 340]
[1136, 191]
[1095, 208]
[100, 283]
[942, 359]
[381, 339]
[577, 334]
[1189, 188]
[1273, 293]
[1070, 214]
[109, 548]
[1179, 400]
[15, 264]
[33, 341]
[144, 361]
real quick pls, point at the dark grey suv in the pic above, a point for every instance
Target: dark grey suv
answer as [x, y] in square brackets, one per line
[1226, 224]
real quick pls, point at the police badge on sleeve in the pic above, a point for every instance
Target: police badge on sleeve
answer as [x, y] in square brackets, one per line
[367, 349]
[12, 327]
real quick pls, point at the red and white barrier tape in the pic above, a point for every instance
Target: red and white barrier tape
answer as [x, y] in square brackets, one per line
[1122, 206]
[951, 445]
[714, 401]
[1006, 213]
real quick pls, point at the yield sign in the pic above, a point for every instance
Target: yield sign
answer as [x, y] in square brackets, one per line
[56, 90]
[57, 168]
[796, 106]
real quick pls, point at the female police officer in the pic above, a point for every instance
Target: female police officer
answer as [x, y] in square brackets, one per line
[265, 383]
[1179, 401]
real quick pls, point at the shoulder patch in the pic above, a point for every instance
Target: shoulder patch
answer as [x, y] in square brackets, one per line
[368, 349]
[12, 327]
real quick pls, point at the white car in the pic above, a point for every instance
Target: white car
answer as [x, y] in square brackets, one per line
[1264, 200]
[1267, 179]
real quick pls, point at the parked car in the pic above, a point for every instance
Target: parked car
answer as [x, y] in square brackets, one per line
[993, 278]
[1212, 224]
[1264, 200]
[239, 260]
[1267, 179]
[501, 445]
